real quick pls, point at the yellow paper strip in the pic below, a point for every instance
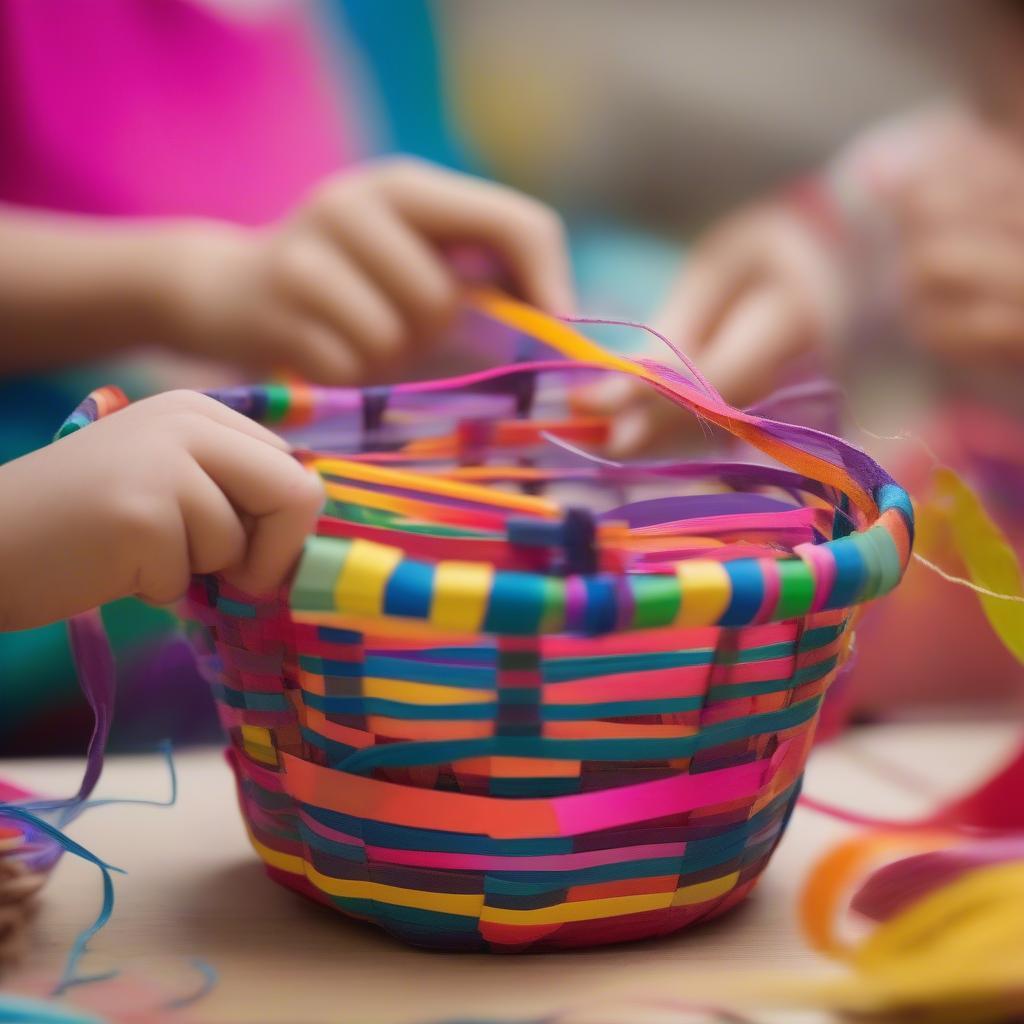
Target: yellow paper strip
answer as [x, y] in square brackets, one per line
[461, 591]
[987, 555]
[364, 577]
[705, 590]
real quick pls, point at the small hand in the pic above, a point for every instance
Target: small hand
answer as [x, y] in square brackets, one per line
[755, 294]
[348, 289]
[137, 502]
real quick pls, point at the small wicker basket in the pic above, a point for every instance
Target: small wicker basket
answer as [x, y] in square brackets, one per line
[486, 716]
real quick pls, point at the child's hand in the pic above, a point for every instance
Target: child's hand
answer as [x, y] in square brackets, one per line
[137, 502]
[754, 295]
[346, 289]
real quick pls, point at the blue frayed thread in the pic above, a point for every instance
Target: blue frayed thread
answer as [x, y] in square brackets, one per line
[206, 985]
[70, 808]
[66, 811]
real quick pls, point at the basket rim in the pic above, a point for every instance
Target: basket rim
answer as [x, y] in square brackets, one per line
[364, 578]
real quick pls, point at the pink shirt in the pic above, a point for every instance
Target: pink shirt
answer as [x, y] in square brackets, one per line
[164, 107]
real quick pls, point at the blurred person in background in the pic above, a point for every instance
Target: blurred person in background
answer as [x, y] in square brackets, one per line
[901, 262]
[170, 182]
[654, 111]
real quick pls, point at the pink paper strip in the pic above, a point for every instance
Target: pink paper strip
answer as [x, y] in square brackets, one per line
[553, 862]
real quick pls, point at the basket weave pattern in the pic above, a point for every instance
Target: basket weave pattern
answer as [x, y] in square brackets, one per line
[482, 719]
[516, 849]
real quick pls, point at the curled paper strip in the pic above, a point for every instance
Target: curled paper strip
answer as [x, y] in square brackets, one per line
[991, 562]
[948, 937]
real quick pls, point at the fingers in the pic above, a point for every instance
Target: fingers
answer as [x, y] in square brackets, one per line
[192, 403]
[987, 265]
[240, 505]
[765, 331]
[950, 206]
[400, 262]
[155, 536]
[206, 531]
[757, 244]
[17, 882]
[214, 534]
[965, 296]
[295, 341]
[318, 354]
[715, 311]
[173, 486]
[712, 281]
[360, 275]
[709, 285]
[273, 493]
[966, 332]
[14, 919]
[975, 178]
[743, 359]
[334, 291]
[448, 207]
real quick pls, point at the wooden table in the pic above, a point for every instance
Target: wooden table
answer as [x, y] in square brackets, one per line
[194, 888]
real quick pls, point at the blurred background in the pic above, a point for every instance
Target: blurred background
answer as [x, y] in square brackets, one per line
[645, 123]
[641, 120]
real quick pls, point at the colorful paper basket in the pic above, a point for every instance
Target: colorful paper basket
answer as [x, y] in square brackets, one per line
[516, 695]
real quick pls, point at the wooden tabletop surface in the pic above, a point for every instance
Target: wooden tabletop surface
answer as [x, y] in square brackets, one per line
[194, 888]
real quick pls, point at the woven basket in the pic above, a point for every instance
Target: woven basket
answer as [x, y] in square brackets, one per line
[485, 716]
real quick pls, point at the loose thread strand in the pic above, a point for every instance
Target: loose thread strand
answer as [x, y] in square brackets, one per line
[960, 581]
